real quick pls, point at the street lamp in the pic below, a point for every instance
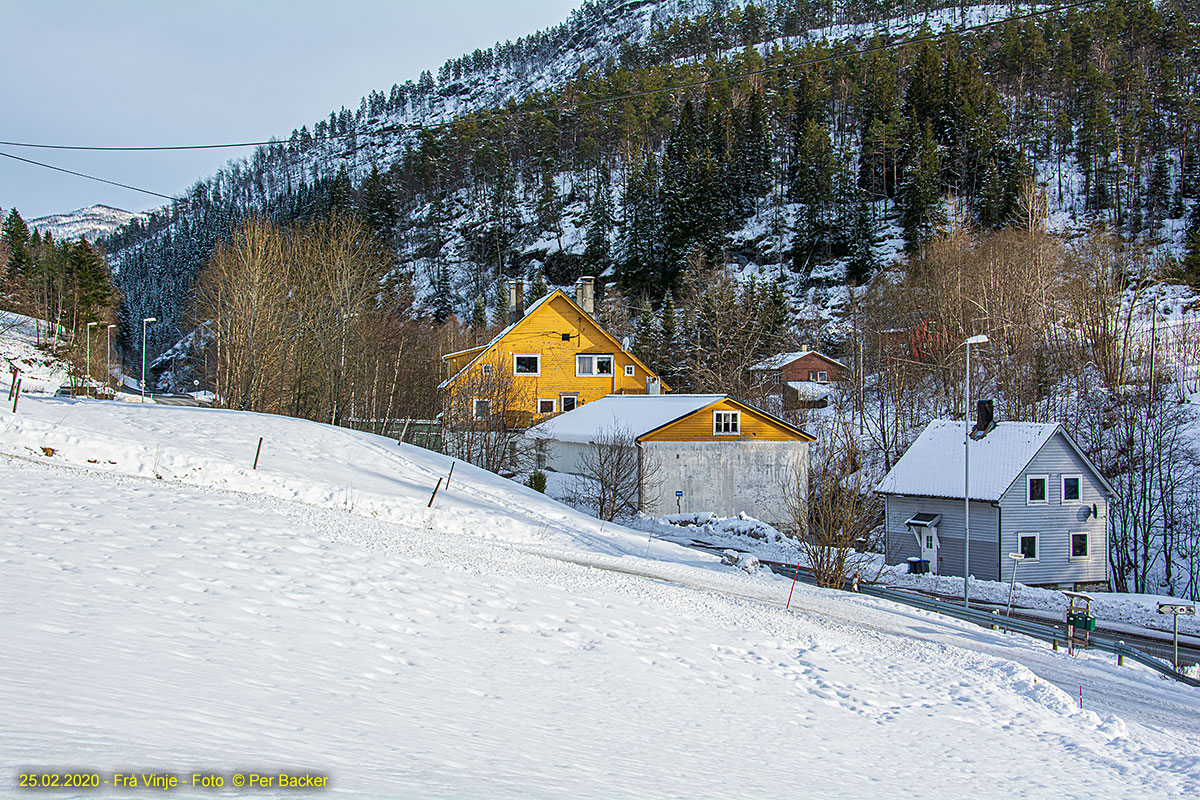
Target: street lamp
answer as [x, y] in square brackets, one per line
[146, 322]
[980, 339]
[108, 359]
[1017, 559]
[88, 358]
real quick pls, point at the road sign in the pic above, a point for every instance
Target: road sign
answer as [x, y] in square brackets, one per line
[678, 493]
[1176, 609]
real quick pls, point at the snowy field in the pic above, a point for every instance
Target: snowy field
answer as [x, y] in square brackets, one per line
[313, 615]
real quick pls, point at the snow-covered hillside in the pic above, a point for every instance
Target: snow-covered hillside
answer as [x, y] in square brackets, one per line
[170, 608]
[91, 223]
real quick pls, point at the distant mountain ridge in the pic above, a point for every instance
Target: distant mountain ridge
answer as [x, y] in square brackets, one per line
[92, 223]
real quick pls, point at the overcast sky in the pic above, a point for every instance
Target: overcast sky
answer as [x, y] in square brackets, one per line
[161, 72]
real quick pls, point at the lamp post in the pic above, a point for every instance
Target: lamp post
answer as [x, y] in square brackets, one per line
[88, 358]
[146, 322]
[108, 358]
[1017, 558]
[980, 339]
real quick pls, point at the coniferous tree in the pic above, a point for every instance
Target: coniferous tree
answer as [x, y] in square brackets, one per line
[920, 191]
[597, 251]
[16, 236]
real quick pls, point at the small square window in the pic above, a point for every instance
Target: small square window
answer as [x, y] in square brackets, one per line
[629, 370]
[1079, 546]
[485, 369]
[823, 377]
[812, 376]
[527, 365]
[1037, 490]
[568, 402]
[481, 409]
[1027, 545]
[545, 405]
[727, 423]
[1072, 486]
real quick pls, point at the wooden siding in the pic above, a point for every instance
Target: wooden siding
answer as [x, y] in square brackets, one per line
[541, 333]
[985, 523]
[799, 369]
[1055, 521]
[698, 427]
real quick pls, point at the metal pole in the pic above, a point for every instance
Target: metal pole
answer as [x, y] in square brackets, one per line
[1176, 618]
[87, 359]
[108, 359]
[1012, 583]
[967, 486]
[144, 360]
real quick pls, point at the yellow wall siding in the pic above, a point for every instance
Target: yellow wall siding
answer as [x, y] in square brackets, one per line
[698, 427]
[459, 360]
[540, 333]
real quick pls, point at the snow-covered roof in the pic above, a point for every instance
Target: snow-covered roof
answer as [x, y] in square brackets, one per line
[636, 414]
[782, 359]
[811, 390]
[933, 466]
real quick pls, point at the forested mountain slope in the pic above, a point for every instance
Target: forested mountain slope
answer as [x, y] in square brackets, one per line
[797, 145]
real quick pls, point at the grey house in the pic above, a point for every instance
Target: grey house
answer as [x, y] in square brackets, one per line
[1033, 491]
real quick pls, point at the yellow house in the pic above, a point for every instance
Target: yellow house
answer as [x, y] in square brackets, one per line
[693, 453]
[552, 358]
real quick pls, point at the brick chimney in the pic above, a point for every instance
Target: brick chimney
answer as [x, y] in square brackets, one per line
[585, 294]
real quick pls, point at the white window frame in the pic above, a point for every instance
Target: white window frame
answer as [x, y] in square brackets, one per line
[1037, 545]
[553, 405]
[475, 401]
[533, 374]
[485, 369]
[1029, 501]
[822, 377]
[1062, 496]
[594, 360]
[629, 370]
[812, 376]
[734, 418]
[1087, 537]
[562, 398]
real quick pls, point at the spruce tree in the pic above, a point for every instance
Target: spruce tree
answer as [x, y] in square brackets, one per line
[921, 212]
[16, 236]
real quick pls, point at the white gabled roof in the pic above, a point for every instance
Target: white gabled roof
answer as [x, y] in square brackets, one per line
[933, 466]
[782, 359]
[636, 414]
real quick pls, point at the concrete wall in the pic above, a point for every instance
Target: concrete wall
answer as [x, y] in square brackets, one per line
[1055, 521]
[985, 526]
[726, 478]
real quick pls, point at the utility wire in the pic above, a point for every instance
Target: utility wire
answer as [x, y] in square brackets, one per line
[89, 177]
[498, 115]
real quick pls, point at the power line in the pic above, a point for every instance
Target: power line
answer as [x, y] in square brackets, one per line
[499, 115]
[89, 177]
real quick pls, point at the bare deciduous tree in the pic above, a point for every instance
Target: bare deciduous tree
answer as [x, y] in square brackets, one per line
[840, 513]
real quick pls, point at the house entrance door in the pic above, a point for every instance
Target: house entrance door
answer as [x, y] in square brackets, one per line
[929, 548]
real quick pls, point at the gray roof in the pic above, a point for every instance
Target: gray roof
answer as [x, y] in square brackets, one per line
[933, 466]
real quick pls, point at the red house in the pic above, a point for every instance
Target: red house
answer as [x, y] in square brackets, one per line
[801, 380]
